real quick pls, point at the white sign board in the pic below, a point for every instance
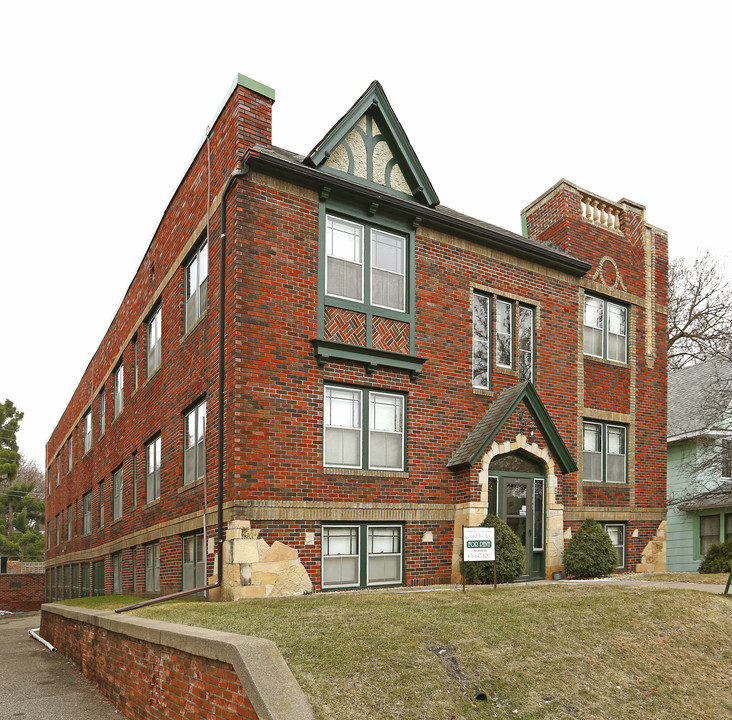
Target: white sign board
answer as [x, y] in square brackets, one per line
[479, 543]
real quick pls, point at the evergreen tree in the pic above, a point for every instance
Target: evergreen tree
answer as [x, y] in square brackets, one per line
[22, 515]
[10, 418]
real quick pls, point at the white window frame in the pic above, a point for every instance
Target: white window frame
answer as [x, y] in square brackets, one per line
[604, 452]
[509, 305]
[621, 547]
[119, 390]
[482, 344]
[154, 341]
[70, 449]
[402, 274]
[194, 454]
[153, 451]
[329, 220]
[605, 308]
[353, 556]
[196, 287]
[102, 412]
[117, 493]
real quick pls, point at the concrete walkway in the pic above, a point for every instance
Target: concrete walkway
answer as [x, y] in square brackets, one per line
[42, 685]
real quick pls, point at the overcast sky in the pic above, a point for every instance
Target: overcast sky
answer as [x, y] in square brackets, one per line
[105, 104]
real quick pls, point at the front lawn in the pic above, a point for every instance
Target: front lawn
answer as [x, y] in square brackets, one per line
[581, 651]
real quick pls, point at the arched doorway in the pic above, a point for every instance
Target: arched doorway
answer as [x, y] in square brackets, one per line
[516, 492]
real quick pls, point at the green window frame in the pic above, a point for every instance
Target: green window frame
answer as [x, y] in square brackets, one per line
[605, 329]
[347, 412]
[85, 580]
[194, 561]
[98, 578]
[152, 567]
[362, 555]
[117, 573]
[604, 452]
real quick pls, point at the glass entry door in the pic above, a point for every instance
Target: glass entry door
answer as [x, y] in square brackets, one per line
[518, 514]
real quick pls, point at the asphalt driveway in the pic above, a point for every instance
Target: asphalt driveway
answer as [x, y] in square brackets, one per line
[42, 685]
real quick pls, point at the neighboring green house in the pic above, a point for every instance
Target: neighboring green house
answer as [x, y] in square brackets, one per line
[699, 483]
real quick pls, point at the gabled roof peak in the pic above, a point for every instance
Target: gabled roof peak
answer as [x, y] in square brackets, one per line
[369, 145]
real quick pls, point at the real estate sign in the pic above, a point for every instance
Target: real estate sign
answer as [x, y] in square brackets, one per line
[479, 543]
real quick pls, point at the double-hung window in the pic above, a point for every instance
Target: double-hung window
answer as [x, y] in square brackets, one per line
[101, 504]
[194, 458]
[69, 522]
[87, 430]
[347, 411]
[604, 452]
[197, 285]
[117, 494]
[119, 390]
[356, 253]
[102, 411]
[152, 474]
[117, 573]
[709, 532]
[194, 561]
[154, 347]
[605, 329]
[71, 452]
[361, 555]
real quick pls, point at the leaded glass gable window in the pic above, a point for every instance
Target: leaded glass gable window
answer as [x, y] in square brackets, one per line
[481, 340]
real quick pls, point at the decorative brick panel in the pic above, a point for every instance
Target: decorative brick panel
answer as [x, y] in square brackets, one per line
[390, 335]
[346, 326]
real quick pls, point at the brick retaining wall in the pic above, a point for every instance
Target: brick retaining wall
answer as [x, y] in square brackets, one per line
[22, 592]
[151, 669]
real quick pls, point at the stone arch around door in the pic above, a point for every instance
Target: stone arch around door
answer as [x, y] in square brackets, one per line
[518, 449]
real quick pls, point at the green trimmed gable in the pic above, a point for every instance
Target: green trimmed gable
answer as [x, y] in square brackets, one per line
[369, 145]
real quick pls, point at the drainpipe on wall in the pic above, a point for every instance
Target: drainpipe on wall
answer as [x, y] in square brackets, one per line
[241, 171]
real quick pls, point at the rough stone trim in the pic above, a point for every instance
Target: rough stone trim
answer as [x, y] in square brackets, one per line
[265, 676]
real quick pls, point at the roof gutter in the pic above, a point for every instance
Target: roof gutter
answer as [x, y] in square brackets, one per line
[505, 241]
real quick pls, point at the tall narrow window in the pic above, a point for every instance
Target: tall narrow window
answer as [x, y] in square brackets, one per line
[616, 462]
[152, 484]
[197, 285]
[86, 503]
[69, 522]
[152, 567]
[594, 310]
[592, 451]
[154, 335]
[194, 566]
[117, 573]
[135, 365]
[727, 457]
[616, 532]
[71, 451]
[119, 390]
[344, 259]
[87, 432]
[481, 340]
[102, 411]
[526, 343]
[342, 441]
[58, 469]
[101, 504]
[117, 493]
[134, 479]
[194, 458]
[504, 334]
[386, 431]
[538, 512]
[388, 257]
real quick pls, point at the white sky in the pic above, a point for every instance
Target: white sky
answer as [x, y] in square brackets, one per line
[104, 106]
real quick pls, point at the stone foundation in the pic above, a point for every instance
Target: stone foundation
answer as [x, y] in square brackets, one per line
[653, 558]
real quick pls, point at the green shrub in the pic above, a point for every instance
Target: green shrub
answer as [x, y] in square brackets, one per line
[510, 556]
[718, 558]
[590, 552]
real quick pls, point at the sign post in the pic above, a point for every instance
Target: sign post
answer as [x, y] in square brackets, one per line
[479, 545]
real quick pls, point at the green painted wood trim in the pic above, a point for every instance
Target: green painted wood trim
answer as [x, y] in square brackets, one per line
[255, 86]
[544, 422]
[327, 349]
[375, 98]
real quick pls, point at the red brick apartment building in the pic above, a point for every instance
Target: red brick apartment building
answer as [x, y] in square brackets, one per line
[387, 371]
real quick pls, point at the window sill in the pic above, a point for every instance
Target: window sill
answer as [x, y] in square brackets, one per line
[190, 486]
[116, 521]
[606, 361]
[152, 503]
[356, 472]
[607, 483]
[198, 321]
[326, 350]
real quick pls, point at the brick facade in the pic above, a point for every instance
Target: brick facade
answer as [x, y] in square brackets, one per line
[22, 592]
[287, 339]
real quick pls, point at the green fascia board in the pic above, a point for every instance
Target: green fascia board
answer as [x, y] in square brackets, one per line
[375, 96]
[545, 424]
[328, 349]
[254, 86]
